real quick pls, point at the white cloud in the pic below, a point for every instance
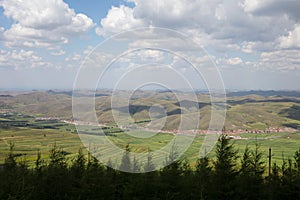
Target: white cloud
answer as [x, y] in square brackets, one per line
[119, 19]
[292, 39]
[151, 55]
[58, 53]
[282, 60]
[229, 21]
[88, 50]
[226, 63]
[235, 61]
[74, 57]
[273, 8]
[247, 47]
[21, 59]
[38, 14]
[179, 13]
[19, 35]
[259, 46]
[80, 24]
[250, 5]
[42, 23]
[1, 33]
[220, 13]
[240, 26]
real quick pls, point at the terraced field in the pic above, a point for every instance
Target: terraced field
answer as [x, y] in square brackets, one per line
[28, 141]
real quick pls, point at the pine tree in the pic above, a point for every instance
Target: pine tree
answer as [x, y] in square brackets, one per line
[10, 162]
[57, 180]
[225, 172]
[135, 165]
[39, 162]
[78, 164]
[297, 161]
[274, 183]
[149, 166]
[289, 184]
[126, 163]
[57, 157]
[203, 175]
[149, 188]
[251, 174]
[171, 175]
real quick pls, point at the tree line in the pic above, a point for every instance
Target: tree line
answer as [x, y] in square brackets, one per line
[224, 177]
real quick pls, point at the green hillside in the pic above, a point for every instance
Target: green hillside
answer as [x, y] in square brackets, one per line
[249, 112]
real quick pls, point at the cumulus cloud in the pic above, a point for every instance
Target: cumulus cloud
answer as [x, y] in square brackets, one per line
[42, 23]
[74, 57]
[278, 60]
[235, 61]
[21, 58]
[119, 19]
[257, 46]
[151, 55]
[240, 26]
[238, 21]
[273, 7]
[292, 39]
[224, 63]
[58, 53]
[1, 33]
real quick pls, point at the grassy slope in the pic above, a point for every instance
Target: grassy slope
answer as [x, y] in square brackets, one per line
[240, 113]
[43, 104]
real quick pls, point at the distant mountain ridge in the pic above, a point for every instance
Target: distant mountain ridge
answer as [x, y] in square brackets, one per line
[265, 93]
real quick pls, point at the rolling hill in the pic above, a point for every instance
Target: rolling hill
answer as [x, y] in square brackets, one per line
[249, 111]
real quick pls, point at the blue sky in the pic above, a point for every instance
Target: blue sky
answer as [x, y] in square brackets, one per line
[254, 44]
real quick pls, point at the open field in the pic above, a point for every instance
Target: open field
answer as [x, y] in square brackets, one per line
[28, 141]
[281, 143]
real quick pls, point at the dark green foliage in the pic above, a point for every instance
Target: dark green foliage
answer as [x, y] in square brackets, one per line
[149, 166]
[225, 169]
[10, 162]
[39, 162]
[85, 178]
[126, 163]
[14, 177]
[289, 181]
[297, 160]
[78, 165]
[203, 178]
[250, 182]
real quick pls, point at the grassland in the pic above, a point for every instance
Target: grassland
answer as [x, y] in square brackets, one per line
[28, 141]
[243, 112]
[250, 112]
[283, 145]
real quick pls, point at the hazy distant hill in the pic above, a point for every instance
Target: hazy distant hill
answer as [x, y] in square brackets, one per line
[265, 93]
[246, 110]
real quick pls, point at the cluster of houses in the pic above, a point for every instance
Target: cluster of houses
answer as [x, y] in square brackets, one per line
[52, 119]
